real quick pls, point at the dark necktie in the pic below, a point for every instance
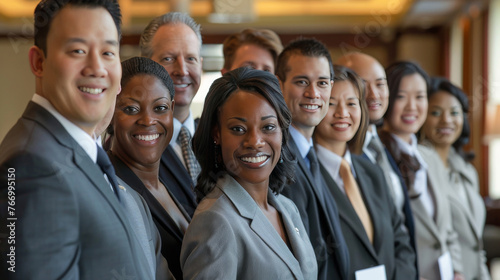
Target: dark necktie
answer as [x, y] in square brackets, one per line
[107, 168]
[192, 165]
[313, 164]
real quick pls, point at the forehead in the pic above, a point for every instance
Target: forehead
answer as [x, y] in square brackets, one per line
[344, 88]
[144, 86]
[244, 102]
[413, 80]
[175, 37]
[444, 99]
[368, 68]
[301, 65]
[88, 23]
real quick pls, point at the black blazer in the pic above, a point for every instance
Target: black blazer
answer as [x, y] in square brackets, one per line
[171, 235]
[391, 244]
[319, 213]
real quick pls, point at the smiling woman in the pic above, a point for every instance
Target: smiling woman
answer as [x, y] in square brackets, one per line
[141, 129]
[243, 228]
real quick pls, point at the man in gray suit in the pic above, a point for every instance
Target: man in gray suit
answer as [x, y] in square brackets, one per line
[65, 211]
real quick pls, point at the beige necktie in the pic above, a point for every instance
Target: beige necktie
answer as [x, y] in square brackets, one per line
[352, 191]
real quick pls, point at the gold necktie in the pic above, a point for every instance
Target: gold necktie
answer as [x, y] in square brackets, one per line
[352, 191]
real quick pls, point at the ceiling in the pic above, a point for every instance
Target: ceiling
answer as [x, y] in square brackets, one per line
[283, 16]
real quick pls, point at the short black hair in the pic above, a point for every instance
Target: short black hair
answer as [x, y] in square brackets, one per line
[209, 155]
[145, 66]
[302, 46]
[395, 73]
[46, 10]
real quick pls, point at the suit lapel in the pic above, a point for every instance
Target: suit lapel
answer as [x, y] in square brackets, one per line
[157, 211]
[420, 213]
[318, 191]
[172, 162]
[366, 187]
[347, 212]
[38, 114]
[247, 208]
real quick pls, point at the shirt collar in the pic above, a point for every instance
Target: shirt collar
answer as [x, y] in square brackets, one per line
[81, 137]
[331, 162]
[188, 123]
[302, 143]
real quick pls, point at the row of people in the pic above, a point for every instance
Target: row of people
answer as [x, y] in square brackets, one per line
[246, 150]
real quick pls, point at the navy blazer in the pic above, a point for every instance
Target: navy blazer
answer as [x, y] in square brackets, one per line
[391, 244]
[171, 235]
[320, 215]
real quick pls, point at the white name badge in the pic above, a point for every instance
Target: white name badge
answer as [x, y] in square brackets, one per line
[372, 273]
[446, 267]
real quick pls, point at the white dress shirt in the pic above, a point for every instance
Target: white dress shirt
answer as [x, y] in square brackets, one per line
[302, 143]
[420, 185]
[331, 162]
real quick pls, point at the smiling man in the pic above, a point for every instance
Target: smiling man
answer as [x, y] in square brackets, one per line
[174, 41]
[69, 223]
[305, 72]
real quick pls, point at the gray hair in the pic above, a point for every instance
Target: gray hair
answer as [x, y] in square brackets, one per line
[156, 23]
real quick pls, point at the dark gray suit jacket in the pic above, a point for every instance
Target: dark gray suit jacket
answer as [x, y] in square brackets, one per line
[391, 244]
[321, 219]
[230, 238]
[70, 225]
[179, 183]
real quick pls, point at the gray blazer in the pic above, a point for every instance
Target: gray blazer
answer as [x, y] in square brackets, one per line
[230, 238]
[435, 237]
[70, 225]
[145, 229]
[468, 218]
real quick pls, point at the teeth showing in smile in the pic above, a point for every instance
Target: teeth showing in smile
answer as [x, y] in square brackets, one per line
[445, 130]
[254, 159]
[147, 137]
[410, 118]
[91, 90]
[180, 85]
[310, 107]
[341, 125]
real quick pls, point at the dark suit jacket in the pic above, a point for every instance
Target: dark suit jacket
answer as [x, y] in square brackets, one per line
[70, 224]
[171, 235]
[391, 245]
[321, 220]
[179, 183]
